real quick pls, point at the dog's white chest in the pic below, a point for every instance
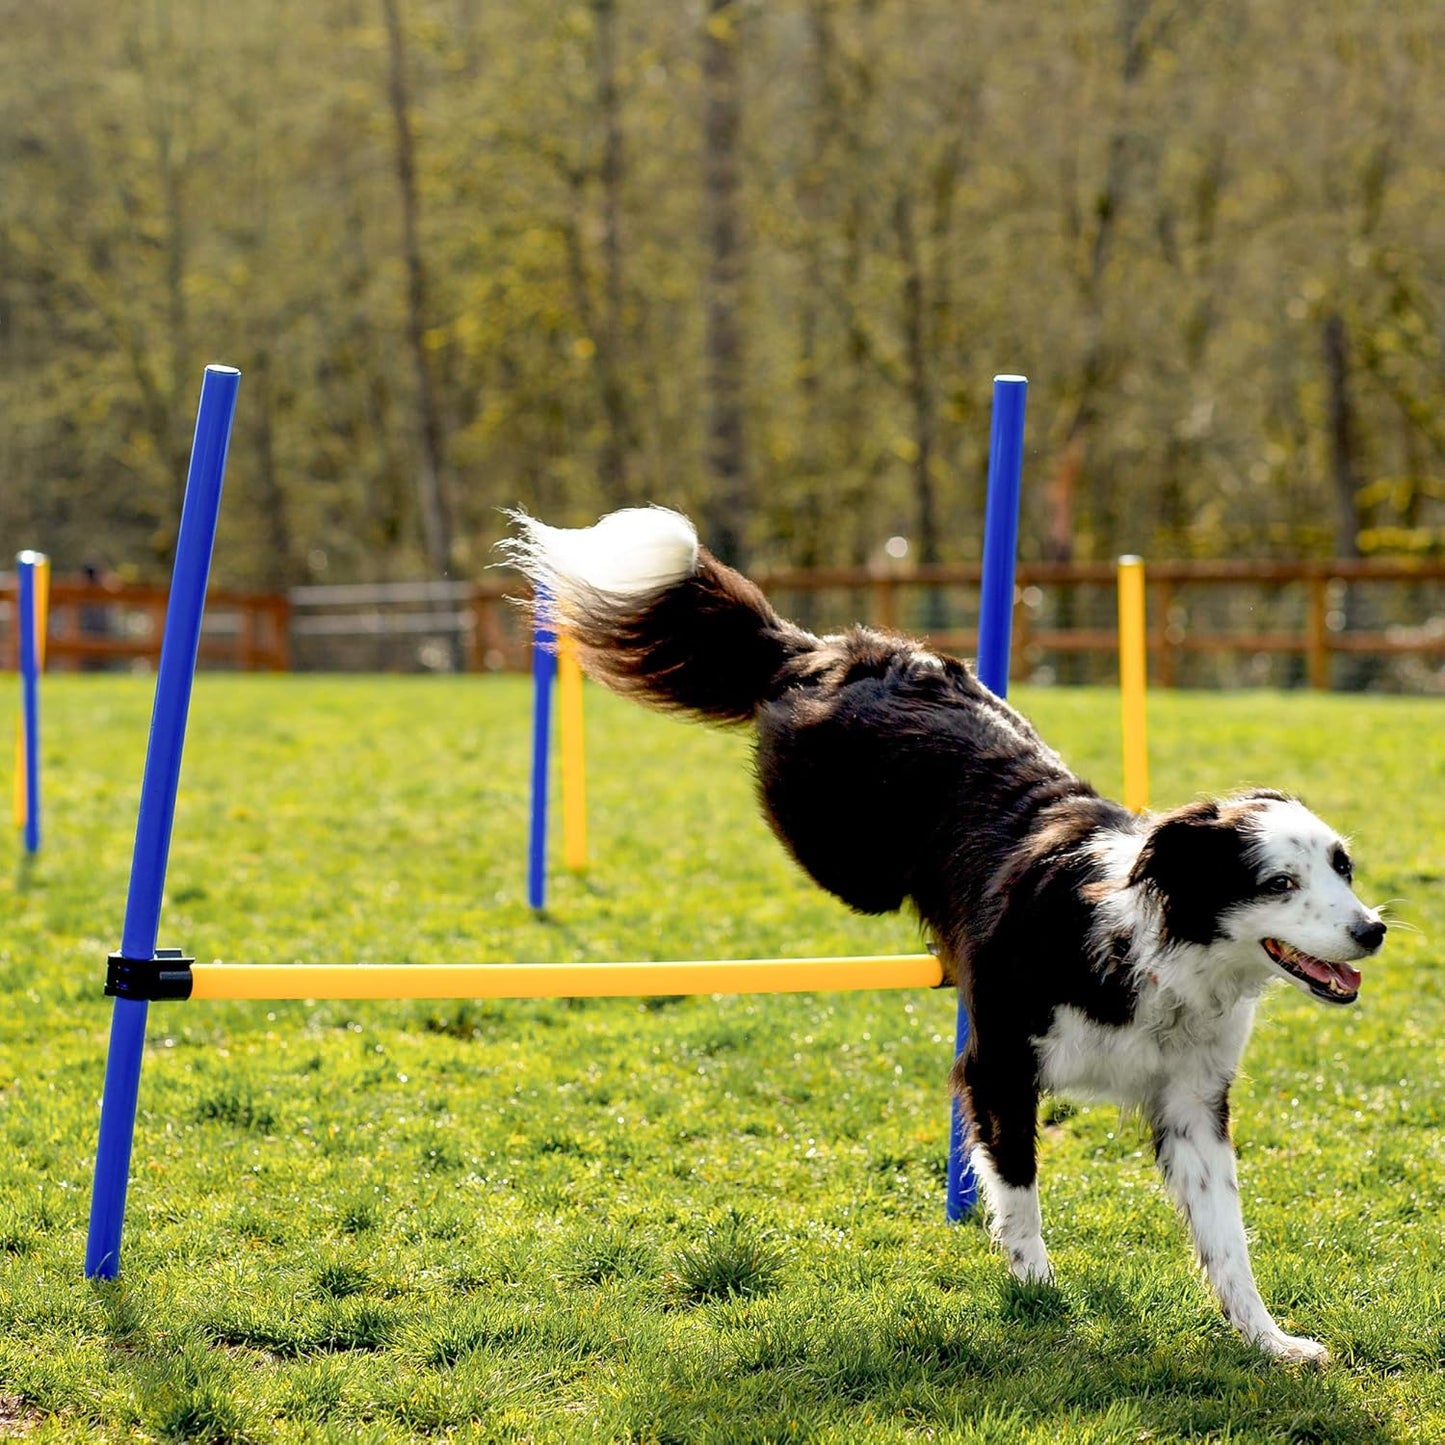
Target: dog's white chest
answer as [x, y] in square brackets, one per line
[1130, 1063]
[1079, 1056]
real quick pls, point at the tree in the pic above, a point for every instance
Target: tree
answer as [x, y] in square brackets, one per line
[571, 256]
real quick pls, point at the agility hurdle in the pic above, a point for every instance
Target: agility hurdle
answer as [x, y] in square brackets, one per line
[555, 662]
[32, 597]
[140, 973]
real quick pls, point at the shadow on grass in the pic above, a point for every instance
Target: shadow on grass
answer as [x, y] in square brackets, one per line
[185, 1390]
[1018, 1361]
[1033, 1304]
[1031, 1356]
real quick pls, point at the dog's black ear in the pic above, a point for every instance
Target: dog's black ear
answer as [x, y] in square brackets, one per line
[1193, 864]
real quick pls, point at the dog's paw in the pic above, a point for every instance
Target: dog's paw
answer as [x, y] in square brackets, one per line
[1294, 1349]
[1028, 1261]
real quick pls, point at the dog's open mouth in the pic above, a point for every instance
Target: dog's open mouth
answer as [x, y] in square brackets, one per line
[1333, 982]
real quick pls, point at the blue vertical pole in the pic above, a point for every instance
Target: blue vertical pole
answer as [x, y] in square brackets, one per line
[544, 669]
[995, 632]
[161, 781]
[29, 697]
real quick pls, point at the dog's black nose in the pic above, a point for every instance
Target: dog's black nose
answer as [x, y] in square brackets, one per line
[1368, 935]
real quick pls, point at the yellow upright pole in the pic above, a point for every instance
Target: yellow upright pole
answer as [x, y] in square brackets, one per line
[574, 765]
[1133, 668]
[42, 611]
[42, 606]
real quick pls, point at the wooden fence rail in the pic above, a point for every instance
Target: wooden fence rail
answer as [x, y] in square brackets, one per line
[92, 625]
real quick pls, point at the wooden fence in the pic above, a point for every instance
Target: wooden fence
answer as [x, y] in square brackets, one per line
[94, 626]
[1417, 628]
[1314, 613]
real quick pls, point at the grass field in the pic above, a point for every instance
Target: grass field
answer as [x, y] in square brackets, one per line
[713, 1219]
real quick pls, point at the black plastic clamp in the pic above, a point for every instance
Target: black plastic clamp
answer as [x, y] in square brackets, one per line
[167, 975]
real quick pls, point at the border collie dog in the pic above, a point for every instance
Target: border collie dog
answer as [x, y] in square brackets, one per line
[1097, 953]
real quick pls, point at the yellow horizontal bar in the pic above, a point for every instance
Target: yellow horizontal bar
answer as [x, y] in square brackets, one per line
[560, 980]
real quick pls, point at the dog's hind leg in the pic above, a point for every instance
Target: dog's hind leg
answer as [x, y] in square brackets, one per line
[1002, 1105]
[1196, 1158]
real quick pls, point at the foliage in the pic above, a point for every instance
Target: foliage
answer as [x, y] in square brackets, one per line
[673, 1219]
[1154, 210]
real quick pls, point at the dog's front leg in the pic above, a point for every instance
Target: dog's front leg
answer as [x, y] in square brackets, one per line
[1196, 1158]
[1001, 1100]
[1014, 1222]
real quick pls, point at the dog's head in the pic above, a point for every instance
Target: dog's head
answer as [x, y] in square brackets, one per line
[1260, 873]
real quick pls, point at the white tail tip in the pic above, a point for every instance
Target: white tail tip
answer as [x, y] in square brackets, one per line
[625, 554]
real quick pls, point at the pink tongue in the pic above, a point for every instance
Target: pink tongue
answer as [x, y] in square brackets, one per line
[1341, 973]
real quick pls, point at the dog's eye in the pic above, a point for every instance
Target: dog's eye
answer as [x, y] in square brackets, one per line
[1280, 883]
[1340, 862]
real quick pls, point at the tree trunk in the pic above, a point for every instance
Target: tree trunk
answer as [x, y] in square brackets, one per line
[617, 428]
[1095, 364]
[1344, 474]
[275, 571]
[178, 324]
[172, 393]
[919, 383]
[436, 523]
[1071, 467]
[726, 507]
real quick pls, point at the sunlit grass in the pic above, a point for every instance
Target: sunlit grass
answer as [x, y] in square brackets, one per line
[699, 1219]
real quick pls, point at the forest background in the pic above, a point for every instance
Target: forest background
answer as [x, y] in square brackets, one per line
[758, 261]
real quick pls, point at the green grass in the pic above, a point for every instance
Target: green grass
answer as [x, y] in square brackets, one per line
[662, 1219]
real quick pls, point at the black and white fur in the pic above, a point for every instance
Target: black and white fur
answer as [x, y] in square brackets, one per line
[1097, 953]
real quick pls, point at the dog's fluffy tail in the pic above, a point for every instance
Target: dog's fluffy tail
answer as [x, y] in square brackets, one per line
[655, 615]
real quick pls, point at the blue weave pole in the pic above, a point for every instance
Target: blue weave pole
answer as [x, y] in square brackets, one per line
[995, 633]
[25, 565]
[159, 785]
[544, 670]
